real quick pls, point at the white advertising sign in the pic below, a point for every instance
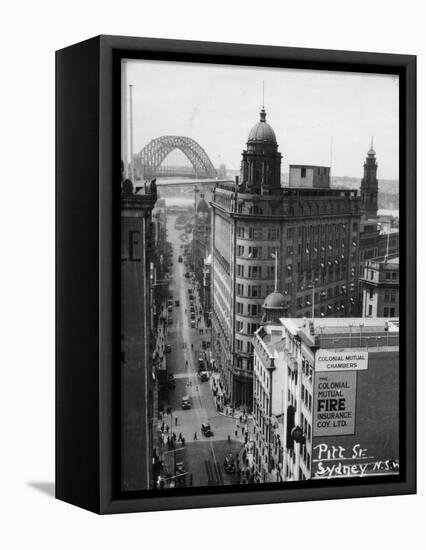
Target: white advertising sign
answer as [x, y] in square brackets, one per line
[330, 360]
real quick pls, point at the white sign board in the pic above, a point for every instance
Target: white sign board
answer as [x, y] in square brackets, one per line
[330, 360]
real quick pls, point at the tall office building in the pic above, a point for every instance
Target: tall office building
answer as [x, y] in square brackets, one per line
[138, 390]
[301, 240]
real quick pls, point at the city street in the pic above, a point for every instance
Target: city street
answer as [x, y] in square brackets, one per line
[203, 457]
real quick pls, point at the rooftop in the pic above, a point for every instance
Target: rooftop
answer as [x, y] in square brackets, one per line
[345, 332]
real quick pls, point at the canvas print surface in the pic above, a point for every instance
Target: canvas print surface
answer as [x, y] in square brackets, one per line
[259, 275]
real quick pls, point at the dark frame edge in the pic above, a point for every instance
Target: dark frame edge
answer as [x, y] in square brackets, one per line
[410, 273]
[77, 301]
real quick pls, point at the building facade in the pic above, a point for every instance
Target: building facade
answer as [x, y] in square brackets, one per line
[377, 238]
[380, 287]
[138, 388]
[201, 244]
[268, 393]
[312, 231]
[336, 376]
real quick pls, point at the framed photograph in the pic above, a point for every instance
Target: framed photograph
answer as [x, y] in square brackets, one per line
[236, 288]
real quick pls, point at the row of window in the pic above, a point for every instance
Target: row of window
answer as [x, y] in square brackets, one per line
[239, 345]
[258, 233]
[250, 329]
[255, 271]
[250, 309]
[306, 398]
[389, 312]
[327, 255]
[306, 427]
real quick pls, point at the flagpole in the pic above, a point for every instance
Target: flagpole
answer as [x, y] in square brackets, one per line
[276, 270]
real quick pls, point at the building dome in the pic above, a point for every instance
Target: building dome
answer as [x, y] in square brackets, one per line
[274, 301]
[262, 132]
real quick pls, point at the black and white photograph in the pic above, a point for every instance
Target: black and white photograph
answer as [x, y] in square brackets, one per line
[259, 214]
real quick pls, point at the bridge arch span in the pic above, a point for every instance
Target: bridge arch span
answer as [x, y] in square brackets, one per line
[149, 159]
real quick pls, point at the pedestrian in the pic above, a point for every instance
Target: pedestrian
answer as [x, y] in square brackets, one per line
[167, 428]
[180, 437]
[236, 433]
[196, 387]
[195, 436]
[241, 418]
[183, 441]
[176, 420]
[174, 436]
[229, 438]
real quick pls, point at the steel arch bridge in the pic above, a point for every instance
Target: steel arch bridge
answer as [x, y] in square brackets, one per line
[148, 161]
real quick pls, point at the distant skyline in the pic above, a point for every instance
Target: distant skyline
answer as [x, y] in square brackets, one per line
[216, 105]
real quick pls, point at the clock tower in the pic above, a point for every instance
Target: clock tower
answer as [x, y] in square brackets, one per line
[369, 185]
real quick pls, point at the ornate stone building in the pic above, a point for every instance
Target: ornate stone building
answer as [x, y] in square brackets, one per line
[313, 231]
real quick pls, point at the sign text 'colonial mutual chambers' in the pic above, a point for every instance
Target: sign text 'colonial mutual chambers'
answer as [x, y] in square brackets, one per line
[348, 359]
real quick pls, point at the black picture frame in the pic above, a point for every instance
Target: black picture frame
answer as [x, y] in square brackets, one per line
[87, 324]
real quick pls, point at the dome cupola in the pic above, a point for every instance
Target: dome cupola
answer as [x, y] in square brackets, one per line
[262, 132]
[273, 307]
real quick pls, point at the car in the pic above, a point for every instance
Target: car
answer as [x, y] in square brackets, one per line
[168, 348]
[204, 376]
[191, 297]
[189, 290]
[206, 430]
[192, 309]
[229, 464]
[192, 323]
[187, 275]
[177, 303]
[186, 403]
[169, 321]
[180, 259]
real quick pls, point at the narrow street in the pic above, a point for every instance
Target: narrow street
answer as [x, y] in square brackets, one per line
[203, 457]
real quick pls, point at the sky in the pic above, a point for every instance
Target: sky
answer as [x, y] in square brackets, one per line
[316, 115]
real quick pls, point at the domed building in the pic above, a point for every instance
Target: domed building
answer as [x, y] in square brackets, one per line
[274, 307]
[277, 251]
